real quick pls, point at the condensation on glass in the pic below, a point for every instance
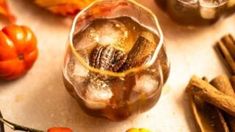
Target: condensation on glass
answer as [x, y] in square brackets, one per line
[115, 64]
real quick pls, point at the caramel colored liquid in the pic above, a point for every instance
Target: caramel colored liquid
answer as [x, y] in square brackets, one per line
[113, 97]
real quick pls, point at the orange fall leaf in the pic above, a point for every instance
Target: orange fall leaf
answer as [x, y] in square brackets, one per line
[64, 7]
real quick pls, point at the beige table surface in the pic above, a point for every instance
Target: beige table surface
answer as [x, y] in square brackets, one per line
[40, 100]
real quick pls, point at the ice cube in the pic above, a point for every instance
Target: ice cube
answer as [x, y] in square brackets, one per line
[76, 71]
[207, 13]
[79, 69]
[86, 40]
[98, 94]
[208, 8]
[112, 32]
[104, 32]
[145, 84]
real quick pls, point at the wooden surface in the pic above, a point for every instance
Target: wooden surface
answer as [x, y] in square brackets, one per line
[40, 100]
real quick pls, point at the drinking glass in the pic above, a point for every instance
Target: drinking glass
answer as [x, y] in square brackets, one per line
[115, 64]
[197, 12]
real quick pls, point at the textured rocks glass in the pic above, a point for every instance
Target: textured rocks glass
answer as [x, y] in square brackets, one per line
[115, 65]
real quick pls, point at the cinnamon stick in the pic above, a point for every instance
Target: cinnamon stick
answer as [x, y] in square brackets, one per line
[223, 84]
[208, 118]
[229, 43]
[210, 94]
[226, 47]
[232, 80]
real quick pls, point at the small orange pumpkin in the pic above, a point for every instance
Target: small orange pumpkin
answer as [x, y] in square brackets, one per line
[59, 129]
[138, 130]
[18, 51]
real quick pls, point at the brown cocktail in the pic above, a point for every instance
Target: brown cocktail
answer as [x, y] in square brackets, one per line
[116, 63]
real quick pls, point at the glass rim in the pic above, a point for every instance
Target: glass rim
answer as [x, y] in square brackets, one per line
[107, 72]
[203, 5]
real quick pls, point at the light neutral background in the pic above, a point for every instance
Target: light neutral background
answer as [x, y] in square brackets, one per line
[40, 100]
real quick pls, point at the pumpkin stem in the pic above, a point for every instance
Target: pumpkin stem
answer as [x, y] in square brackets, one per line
[15, 127]
[21, 56]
